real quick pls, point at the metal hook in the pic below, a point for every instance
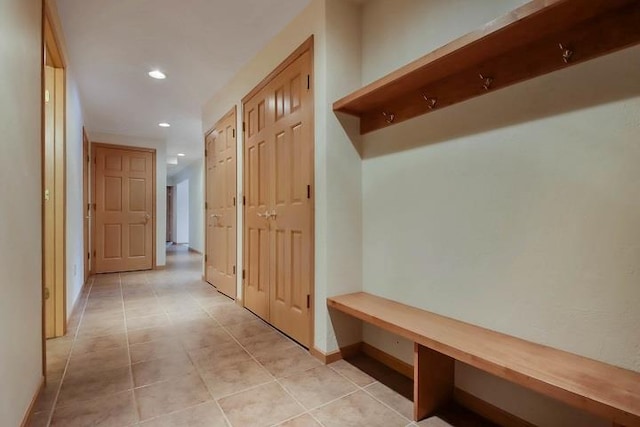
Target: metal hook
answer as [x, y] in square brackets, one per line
[389, 117]
[566, 53]
[431, 102]
[486, 82]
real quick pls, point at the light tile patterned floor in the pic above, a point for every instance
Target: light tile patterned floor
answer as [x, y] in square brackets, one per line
[164, 348]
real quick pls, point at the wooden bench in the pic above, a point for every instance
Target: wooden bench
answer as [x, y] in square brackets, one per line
[604, 390]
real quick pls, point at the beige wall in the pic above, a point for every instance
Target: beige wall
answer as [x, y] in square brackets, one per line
[20, 212]
[337, 195]
[517, 211]
[161, 181]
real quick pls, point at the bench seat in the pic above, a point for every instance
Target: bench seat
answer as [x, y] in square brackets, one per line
[604, 390]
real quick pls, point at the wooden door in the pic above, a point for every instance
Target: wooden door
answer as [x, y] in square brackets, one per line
[124, 209]
[279, 205]
[221, 205]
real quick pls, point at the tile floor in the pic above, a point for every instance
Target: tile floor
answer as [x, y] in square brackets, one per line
[163, 348]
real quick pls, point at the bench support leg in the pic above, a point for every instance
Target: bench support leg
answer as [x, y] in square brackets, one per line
[433, 381]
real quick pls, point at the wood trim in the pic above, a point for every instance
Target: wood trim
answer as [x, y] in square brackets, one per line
[342, 353]
[26, 420]
[307, 45]
[51, 30]
[195, 251]
[42, 184]
[98, 144]
[231, 112]
[388, 360]
[60, 197]
[487, 410]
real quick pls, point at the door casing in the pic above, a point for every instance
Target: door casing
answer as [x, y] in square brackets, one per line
[53, 184]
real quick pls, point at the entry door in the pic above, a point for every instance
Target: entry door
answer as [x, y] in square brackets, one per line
[124, 209]
[221, 205]
[279, 206]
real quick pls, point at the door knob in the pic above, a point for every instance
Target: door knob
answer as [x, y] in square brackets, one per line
[147, 217]
[268, 214]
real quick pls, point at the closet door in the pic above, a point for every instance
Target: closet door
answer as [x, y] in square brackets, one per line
[279, 206]
[258, 177]
[221, 205]
[291, 207]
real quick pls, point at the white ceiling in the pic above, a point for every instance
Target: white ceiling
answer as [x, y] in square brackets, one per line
[199, 44]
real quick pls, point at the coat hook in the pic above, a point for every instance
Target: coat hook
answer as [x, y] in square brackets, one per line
[566, 53]
[389, 117]
[486, 82]
[431, 102]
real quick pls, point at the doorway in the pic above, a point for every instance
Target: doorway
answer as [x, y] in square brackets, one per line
[170, 207]
[181, 207]
[278, 186]
[124, 202]
[54, 185]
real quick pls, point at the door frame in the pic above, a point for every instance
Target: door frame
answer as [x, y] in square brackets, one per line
[306, 46]
[232, 112]
[96, 145]
[86, 205]
[53, 57]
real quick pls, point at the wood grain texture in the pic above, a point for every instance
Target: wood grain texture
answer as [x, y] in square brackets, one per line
[604, 390]
[433, 381]
[518, 46]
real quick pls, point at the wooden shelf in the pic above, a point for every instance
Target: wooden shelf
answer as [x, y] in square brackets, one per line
[521, 45]
[596, 387]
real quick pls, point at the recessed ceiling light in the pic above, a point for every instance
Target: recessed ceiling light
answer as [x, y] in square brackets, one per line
[164, 125]
[181, 154]
[157, 74]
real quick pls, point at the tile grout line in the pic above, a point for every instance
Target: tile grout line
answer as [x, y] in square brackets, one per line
[224, 414]
[385, 404]
[173, 324]
[363, 388]
[126, 337]
[66, 366]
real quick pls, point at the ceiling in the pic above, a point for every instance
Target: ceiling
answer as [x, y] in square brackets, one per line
[198, 44]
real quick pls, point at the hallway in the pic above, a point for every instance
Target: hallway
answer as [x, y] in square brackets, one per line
[164, 348]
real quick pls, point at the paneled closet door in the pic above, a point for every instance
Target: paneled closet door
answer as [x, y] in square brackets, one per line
[279, 208]
[258, 165]
[291, 220]
[221, 205]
